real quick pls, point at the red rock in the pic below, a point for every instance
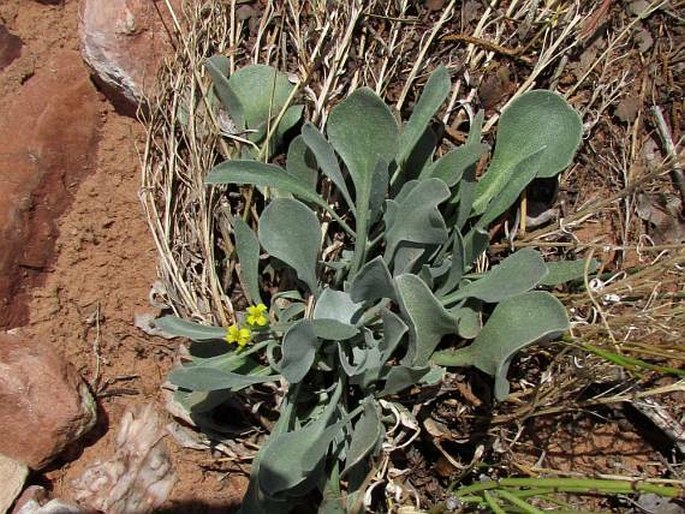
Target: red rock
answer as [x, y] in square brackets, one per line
[124, 41]
[44, 404]
[49, 130]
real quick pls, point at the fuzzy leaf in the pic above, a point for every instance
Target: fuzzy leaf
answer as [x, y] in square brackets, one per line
[206, 378]
[247, 248]
[218, 66]
[522, 175]
[299, 348]
[290, 231]
[535, 121]
[326, 159]
[451, 166]
[475, 243]
[265, 175]
[261, 90]
[429, 321]
[393, 332]
[372, 282]
[290, 458]
[364, 132]
[514, 324]
[564, 271]
[434, 94]
[301, 163]
[457, 264]
[413, 215]
[469, 316]
[337, 305]
[518, 273]
[195, 331]
[368, 433]
[401, 377]
[333, 330]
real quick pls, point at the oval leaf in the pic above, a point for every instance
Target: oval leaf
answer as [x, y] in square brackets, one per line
[326, 159]
[299, 348]
[363, 131]
[514, 324]
[368, 433]
[429, 321]
[413, 216]
[518, 273]
[290, 231]
[180, 327]
[247, 248]
[434, 94]
[201, 378]
[536, 120]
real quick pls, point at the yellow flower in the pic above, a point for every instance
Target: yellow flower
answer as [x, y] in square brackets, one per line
[241, 336]
[256, 316]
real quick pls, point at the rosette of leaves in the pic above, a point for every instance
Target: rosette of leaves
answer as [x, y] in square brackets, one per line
[366, 326]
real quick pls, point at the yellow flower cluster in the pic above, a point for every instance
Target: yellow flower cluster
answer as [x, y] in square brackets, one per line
[240, 336]
[256, 317]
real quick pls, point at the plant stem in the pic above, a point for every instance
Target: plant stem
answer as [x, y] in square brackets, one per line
[514, 500]
[575, 485]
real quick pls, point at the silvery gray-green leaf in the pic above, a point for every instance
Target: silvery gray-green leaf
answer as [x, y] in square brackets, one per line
[195, 331]
[247, 248]
[255, 500]
[419, 160]
[261, 90]
[514, 324]
[561, 272]
[337, 305]
[414, 216]
[218, 66]
[200, 402]
[290, 457]
[299, 348]
[363, 131]
[205, 378]
[367, 435]
[332, 501]
[290, 231]
[523, 173]
[291, 117]
[434, 94]
[379, 190]
[265, 175]
[450, 167]
[428, 319]
[457, 264]
[464, 196]
[373, 282]
[518, 273]
[469, 318]
[400, 377]
[394, 329]
[356, 359]
[326, 159]
[535, 121]
[408, 258]
[476, 242]
[333, 330]
[301, 162]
